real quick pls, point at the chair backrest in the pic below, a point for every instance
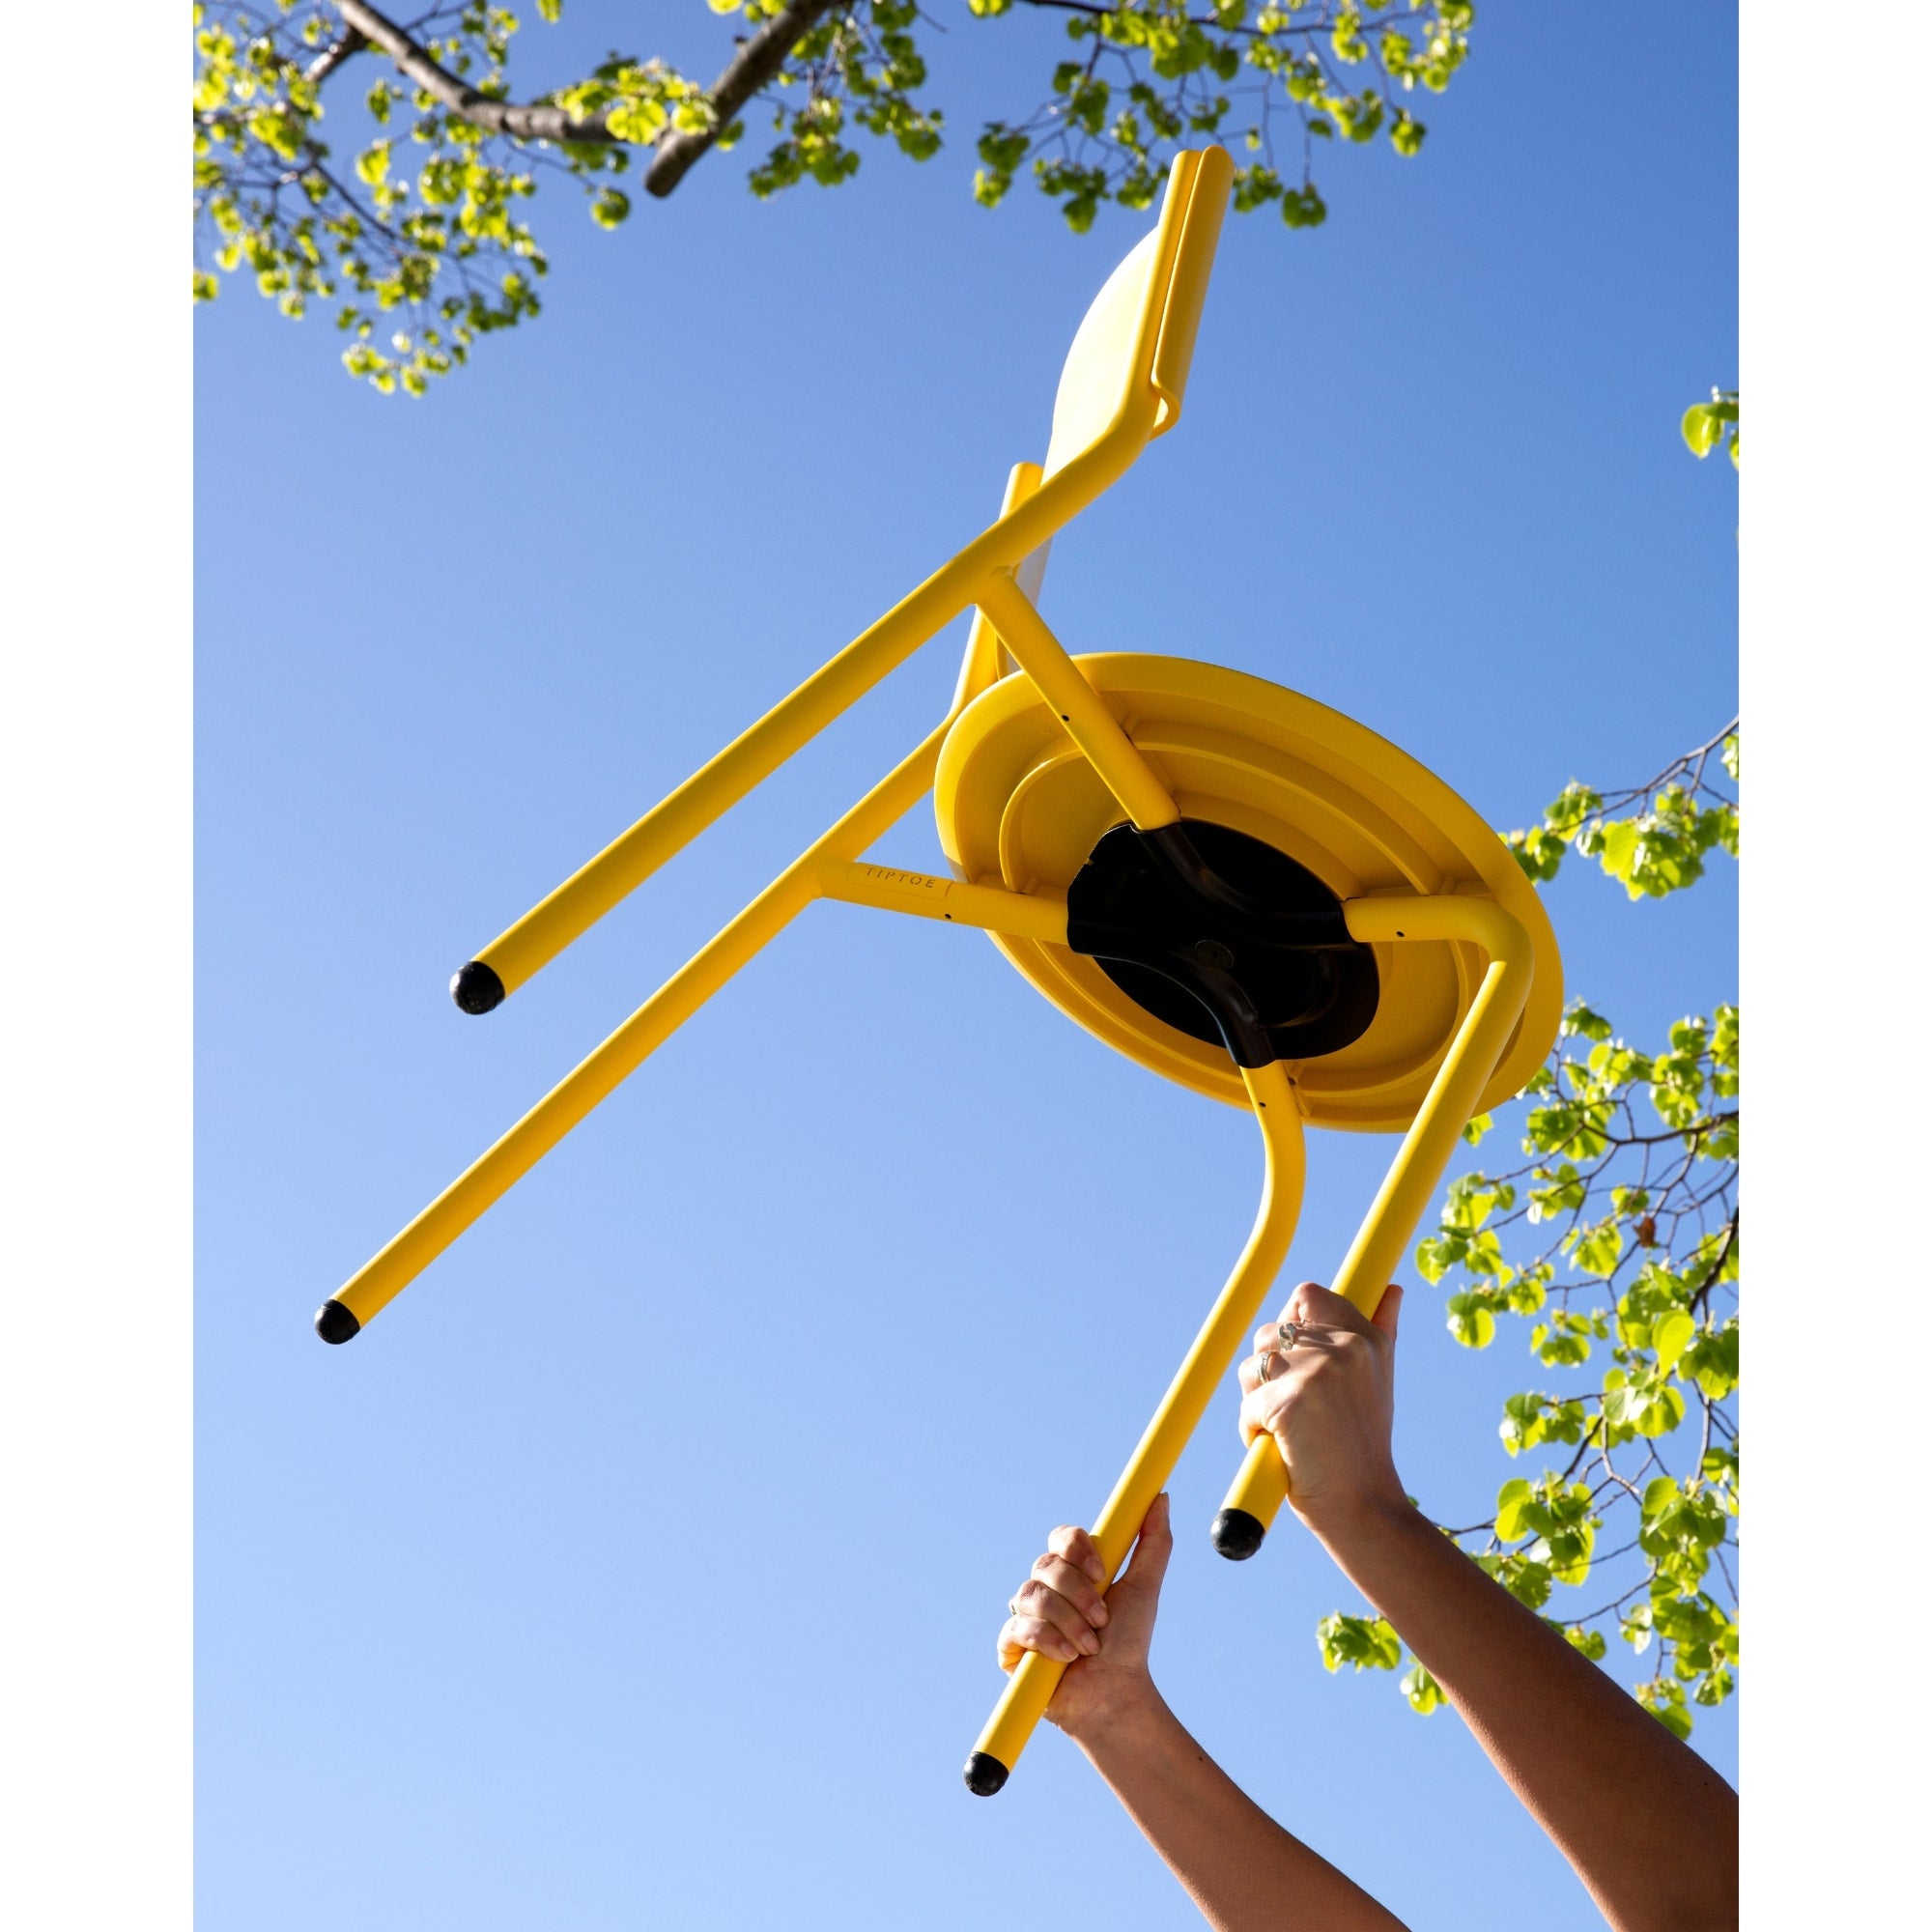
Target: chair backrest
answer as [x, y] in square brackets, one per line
[1128, 369]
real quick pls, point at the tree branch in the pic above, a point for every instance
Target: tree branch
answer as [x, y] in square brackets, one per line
[1716, 1268]
[353, 39]
[499, 117]
[1212, 21]
[750, 69]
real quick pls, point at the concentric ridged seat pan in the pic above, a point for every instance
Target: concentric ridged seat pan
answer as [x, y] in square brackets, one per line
[1018, 805]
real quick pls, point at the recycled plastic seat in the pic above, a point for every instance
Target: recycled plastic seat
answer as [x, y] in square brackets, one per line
[1230, 883]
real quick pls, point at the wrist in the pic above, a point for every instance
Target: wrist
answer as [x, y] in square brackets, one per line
[1344, 1524]
[1125, 1723]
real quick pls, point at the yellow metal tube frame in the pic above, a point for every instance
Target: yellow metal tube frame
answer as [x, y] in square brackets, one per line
[593, 1079]
[1038, 504]
[827, 869]
[1262, 1485]
[1145, 366]
[1090, 724]
[991, 908]
[1093, 447]
[1031, 1686]
[583, 898]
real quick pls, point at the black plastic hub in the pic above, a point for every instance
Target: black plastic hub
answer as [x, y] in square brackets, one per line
[985, 1775]
[476, 988]
[334, 1322]
[1237, 1535]
[1225, 939]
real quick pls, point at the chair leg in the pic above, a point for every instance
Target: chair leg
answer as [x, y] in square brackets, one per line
[1262, 1487]
[1017, 541]
[1031, 1686]
[1089, 722]
[384, 1277]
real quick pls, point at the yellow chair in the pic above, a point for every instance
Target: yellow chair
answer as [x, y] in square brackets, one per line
[1233, 885]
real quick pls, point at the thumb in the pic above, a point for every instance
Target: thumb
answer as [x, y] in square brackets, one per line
[1388, 1312]
[1143, 1576]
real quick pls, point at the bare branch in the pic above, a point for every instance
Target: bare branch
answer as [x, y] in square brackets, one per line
[353, 39]
[751, 67]
[1716, 1268]
[499, 117]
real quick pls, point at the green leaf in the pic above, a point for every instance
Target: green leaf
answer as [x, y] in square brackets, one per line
[1523, 1424]
[1711, 1362]
[1369, 1643]
[1422, 1690]
[1672, 1336]
[1702, 428]
[1577, 1018]
[1470, 1322]
[1512, 1501]
[1595, 1249]
[1664, 1701]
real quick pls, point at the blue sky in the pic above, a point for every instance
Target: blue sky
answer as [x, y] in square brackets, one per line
[640, 1566]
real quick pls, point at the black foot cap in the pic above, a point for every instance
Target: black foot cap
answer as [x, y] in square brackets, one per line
[334, 1322]
[985, 1775]
[476, 988]
[1237, 1535]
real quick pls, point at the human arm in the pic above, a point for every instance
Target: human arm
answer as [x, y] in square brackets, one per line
[1242, 1869]
[1602, 1776]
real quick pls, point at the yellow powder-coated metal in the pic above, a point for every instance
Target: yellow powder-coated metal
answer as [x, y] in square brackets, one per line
[1030, 1688]
[1262, 1485]
[1040, 916]
[1122, 387]
[595, 1078]
[1479, 1040]
[1036, 761]
[1018, 804]
[985, 660]
[1093, 728]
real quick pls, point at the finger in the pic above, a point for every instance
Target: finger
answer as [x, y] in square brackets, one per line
[1314, 1303]
[1077, 1547]
[1308, 1310]
[1283, 1365]
[1152, 1550]
[1260, 1411]
[1268, 1340]
[1388, 1312]
[1250, 1374]
[1040, 1602]
[1020, 1634]
[1294, 1309]
[1071, 1582]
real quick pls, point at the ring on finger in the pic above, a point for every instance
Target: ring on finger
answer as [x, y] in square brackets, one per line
[1264, 1366]
[1288, 1331]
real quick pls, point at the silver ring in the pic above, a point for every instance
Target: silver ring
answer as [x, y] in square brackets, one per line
[1288, 1331]
[1266, 1364]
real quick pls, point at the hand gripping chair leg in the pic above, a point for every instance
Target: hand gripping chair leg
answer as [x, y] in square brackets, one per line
[1031, 1686]
[1262, 1485]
